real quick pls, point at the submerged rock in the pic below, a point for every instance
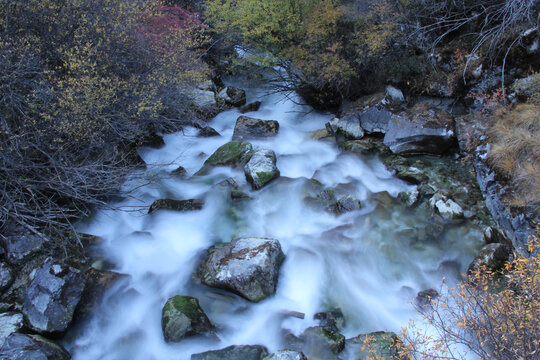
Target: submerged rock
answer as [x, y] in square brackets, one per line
[348, 126]
[182, 316]
[246, 266]
[232, 96]
[254, 106]
[235, 352]
[261, 168]
[421, 129]
[317, 342]
[52, 296]
[32, 347]
[425, 297]
[286, 355]
[176, 205]
[250, 128]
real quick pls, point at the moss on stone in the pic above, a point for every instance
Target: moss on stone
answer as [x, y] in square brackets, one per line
[231, 153]
[186, 305]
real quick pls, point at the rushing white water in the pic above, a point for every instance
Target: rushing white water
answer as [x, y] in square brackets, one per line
[364, 262]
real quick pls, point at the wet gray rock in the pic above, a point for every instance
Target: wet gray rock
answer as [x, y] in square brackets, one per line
[425, 297]
[254, 106]
[347, 126]
[445, 206]
[232, 96]
[176, 205]
[394, 95]
[317, 342]
[5, 277]
[493, 256]
[421, 129]
[22, 246]
[246, 266]
[375, 119]
[380, 345]
[235, 352]
[261, 168]
[202, 98]
[286, 355]
[182, 316]
[9, 323]
[345, 203]
[52, 296]
[252, 128]
[32, 347]
[97, 283]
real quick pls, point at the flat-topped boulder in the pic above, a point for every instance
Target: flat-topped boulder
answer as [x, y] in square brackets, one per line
[235, 352]
[347, 126]
[182, 316]
[261, 168]
[252, 128]
[423, 129]
[248, 267]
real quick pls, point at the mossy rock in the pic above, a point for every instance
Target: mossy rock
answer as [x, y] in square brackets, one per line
[176, 205]
[317, 342]
[233, 153]
[379, 344]
[182, 316]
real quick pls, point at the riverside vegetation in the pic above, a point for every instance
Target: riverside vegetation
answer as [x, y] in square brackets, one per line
[83, 84]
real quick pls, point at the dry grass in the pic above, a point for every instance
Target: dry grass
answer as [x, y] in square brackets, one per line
[515, 151]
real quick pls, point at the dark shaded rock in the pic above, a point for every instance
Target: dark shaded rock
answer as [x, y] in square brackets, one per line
[425, 297]
[235, 352]
[246, 266]
[176, 205]
[333, 319]
[9, 323]
[5, 277]
[232, 96]
[365, 146]
[32, 347]
[380, 345]
[22, 245]
[52, 296]
[180, 172]
[154, 141]
[526, 87]
[182, 316]
[421, 129]
[492, 235]
[493, 256]
[286, 355]
[317, 342]
[254, 106]
[96, 285]
[208, 131]
[345, 204]
[348, 127]
[261, 168]
[251, 128]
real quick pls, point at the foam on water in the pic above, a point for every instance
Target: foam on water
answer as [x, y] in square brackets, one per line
[359, 261]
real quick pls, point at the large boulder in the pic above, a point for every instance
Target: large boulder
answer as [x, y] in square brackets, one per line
[9, 323]
[233, 153]
[421, 129]
[286, 355]
[261, 168]
[32, 347]
[182, 316]
[232, 96]
[375, 119]
[52, 296]
[235, 352]
[348, 127]
[246, 266]
[176, 205]
[250, 128]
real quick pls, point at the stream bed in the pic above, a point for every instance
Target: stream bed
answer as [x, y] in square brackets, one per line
[370, 263]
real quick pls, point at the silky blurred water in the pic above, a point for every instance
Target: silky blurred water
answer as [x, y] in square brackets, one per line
[370, 263]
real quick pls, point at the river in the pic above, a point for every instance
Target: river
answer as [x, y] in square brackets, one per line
[370, 263]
